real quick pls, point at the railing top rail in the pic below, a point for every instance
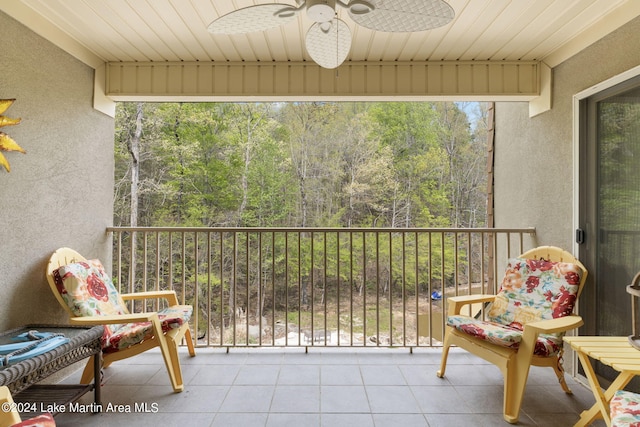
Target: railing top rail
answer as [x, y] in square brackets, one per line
[526, 230]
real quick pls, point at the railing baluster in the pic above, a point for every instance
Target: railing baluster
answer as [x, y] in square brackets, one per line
[145, 264]
[338, 288]
[273, 288]
[351, 286]
[209, 274]
[196, 282]
[364, 287]
[299, 254]
[221, 272]
[260, 285]
[324, 285]
[377, 249]
[456, 263]
[247, 308]
[156, 286]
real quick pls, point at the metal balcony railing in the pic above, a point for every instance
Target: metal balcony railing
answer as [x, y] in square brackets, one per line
[308, 287]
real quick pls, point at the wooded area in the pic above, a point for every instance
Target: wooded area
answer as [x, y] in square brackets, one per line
[340, 165]
[303, 164]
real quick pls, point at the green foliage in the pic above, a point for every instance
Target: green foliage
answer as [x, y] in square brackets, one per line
[312, 164]
[386, 164]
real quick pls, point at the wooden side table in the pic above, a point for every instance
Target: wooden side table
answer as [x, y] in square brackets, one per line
[615, 352]
[21, 377]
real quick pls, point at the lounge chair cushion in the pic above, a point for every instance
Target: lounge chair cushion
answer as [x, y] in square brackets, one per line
[625, 409]
[89, 291]
[504, 336]
[531, 290]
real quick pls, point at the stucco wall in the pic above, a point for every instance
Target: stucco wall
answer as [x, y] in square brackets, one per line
[534, 156]
[61, 192]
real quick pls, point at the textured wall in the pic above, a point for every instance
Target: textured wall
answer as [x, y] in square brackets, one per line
[534, 156]
[61, 192]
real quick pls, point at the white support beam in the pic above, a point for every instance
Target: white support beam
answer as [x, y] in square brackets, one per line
[101, 102]
[543, 102]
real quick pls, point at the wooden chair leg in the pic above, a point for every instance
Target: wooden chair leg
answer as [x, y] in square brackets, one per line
[515, 377]
[513, 383]
[174, 357]
[445, 355]
[87, 373]
[187, 337]
[169, 350]
[559, 370]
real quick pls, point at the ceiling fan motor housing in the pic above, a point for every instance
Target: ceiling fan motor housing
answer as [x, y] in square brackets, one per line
[321, 10]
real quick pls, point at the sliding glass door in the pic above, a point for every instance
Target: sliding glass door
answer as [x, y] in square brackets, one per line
[610, 207]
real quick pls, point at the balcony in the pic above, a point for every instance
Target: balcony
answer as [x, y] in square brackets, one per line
[319, 327]
[323, 387]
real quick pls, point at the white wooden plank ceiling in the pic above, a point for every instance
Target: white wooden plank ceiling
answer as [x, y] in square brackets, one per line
[176, 30]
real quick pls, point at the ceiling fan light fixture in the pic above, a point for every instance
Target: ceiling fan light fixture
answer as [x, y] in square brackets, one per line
[328, 47]
[328, 40]
[321, 10]
[360, 7]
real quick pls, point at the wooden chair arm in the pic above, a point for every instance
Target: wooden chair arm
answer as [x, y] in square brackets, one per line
[170, 296]
[115, 319]
[551, 326]
[456, 303]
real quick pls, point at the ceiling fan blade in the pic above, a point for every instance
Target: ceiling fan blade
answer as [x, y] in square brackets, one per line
[401, 15]
[254, 18]
[328, 43]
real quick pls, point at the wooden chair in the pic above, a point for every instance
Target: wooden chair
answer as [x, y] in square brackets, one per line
[525, 321]
[88, 295]
[9, 415]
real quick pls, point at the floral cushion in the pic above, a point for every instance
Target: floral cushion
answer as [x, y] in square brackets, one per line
[44, 420]
[531, 290]
[88, 291]
[133, 333]
[625, 409]
[505, 336]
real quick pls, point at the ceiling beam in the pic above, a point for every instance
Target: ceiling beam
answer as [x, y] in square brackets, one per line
[445, 80]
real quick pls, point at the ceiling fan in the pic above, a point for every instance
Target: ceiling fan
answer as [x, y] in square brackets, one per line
[328, 40]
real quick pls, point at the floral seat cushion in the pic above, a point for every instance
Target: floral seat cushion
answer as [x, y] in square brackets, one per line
[504, 336]
[43, 420]
[133, 333]
[531, 290]
[625, 409]
[88, 291]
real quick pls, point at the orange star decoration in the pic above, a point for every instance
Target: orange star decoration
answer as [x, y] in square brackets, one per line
[6, 142]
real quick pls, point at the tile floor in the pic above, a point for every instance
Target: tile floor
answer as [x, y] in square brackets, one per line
[324, 387]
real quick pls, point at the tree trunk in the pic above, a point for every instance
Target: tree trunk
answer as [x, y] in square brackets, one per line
[134, 152]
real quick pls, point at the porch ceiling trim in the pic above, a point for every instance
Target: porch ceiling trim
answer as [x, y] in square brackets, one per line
[470, 80]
